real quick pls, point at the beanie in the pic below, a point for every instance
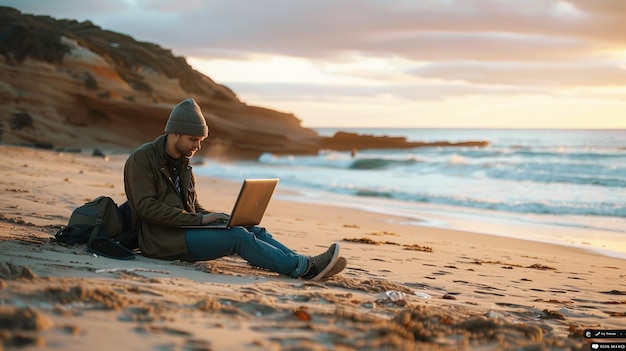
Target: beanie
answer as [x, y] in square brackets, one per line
[186, 118]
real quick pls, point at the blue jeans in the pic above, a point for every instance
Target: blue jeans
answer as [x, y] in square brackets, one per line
[253, 244]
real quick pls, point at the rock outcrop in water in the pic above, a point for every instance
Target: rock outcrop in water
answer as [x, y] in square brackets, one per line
[349, 141]
[69, 84]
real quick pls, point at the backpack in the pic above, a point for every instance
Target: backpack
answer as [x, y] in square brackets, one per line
[103, 226]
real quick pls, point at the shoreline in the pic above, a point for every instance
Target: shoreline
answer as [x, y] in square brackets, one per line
[482, 222]
[405, 287]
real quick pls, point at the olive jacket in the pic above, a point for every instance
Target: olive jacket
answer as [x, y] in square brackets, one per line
[158, 211]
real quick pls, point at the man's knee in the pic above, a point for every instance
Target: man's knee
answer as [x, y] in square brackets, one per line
[260, 233]
[241, 233]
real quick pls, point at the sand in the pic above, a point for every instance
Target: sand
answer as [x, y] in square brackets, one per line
[405, 287]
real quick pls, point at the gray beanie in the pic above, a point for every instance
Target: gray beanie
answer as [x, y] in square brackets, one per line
[186, 118]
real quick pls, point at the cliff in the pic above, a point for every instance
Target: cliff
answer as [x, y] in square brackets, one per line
[69, 84]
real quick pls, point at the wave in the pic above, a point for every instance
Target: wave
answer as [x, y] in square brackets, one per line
[472, 164]
[603, 209]
[336, 160]
[377, 163]
[569, 154]
[579, 174]
[528, 153]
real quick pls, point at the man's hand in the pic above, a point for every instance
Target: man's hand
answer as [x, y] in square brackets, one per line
[215, 217]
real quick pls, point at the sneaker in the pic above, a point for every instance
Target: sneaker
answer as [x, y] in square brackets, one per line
[338, 267]
[319, 265]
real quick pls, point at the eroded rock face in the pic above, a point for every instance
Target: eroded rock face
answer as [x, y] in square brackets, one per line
[71, 84]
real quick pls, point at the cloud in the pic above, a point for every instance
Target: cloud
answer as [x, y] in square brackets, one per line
[68, 9]
[428, 29]
[342, 93]
[557, 75]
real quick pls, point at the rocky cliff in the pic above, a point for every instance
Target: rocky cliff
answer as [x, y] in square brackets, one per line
[72, 84]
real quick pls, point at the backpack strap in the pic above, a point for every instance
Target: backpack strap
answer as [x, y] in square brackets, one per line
[96, 228]
[104, 246]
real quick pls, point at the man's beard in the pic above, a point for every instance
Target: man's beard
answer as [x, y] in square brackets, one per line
[187, 152]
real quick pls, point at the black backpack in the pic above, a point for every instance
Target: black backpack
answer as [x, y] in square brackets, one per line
[104, 227]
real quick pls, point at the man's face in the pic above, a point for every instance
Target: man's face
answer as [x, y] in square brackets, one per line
[187, 145]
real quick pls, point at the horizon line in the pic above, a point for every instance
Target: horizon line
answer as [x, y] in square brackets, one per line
[476, 128]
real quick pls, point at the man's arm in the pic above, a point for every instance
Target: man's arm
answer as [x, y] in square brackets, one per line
[149, 196]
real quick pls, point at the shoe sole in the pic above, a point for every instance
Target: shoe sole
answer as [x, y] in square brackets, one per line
[339, 266]
[330, 265]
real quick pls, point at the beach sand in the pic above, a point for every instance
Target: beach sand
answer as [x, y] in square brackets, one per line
[405, 287]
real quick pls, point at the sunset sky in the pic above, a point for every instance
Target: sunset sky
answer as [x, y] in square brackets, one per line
[393, 63]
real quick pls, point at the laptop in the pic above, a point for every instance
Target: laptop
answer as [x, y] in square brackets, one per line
[252, 201]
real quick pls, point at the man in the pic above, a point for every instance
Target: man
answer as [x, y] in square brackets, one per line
[160, 187]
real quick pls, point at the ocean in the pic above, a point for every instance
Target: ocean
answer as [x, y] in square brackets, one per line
[559, 186]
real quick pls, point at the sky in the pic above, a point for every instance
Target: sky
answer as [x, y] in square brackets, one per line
[392, 63]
